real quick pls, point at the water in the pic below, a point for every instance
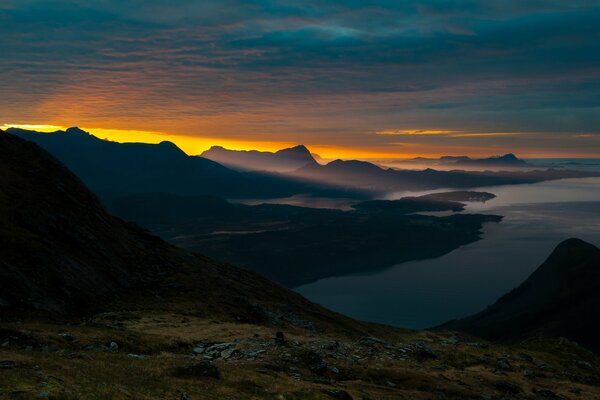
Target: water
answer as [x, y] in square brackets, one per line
[425, 293]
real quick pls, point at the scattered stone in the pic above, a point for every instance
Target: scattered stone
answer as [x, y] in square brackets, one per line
[390, 384]
[137, 356]
[314, 362]
[254, 353]
[203, 369]
[215, 350]
[279, 337]
[338, 394]
[7, 364]
[335, 370]
[184, 396]
[69, 337]
[113, 346]
[229, 353]
[503, 364]
[424, 350]
[199, 349]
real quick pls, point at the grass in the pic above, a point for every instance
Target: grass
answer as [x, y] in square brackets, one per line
[48, 365]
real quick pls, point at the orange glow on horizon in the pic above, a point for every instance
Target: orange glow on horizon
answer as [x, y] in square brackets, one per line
[195, 145]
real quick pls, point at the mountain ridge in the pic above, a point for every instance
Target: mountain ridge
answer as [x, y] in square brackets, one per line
[560, 298]
[284, 160]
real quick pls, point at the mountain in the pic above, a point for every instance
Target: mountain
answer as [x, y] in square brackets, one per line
[507, 160]
[560, 298]
[62, 252]
[113, 169]
[284, 160]
[368, 176]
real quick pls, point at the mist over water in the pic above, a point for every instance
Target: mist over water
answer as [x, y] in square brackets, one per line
[421, 294]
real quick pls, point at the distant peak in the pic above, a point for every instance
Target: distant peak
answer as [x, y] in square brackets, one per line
[509, 156]
[74, 130]
[299, 149]
[573, 242]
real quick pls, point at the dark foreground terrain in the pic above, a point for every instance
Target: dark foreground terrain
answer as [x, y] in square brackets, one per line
[156, 322]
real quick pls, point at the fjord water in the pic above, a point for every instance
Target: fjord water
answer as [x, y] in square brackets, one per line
[421, 294]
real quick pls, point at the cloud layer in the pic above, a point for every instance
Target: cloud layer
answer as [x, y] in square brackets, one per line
[330, 73]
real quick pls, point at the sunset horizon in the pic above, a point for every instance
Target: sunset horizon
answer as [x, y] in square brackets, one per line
[194, 144]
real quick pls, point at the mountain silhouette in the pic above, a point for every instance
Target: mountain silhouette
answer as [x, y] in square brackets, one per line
[371, 177]
[507, 160]
[560, 298]
[63, 253]
[112, 169]
[284, 160]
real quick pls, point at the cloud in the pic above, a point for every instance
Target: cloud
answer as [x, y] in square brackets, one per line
[298, 71]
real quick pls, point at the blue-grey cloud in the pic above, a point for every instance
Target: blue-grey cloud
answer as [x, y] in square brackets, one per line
[296, 67]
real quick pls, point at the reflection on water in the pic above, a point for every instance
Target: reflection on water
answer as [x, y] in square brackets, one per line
[425, 293]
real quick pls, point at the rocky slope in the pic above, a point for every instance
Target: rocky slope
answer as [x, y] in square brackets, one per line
[561, 298]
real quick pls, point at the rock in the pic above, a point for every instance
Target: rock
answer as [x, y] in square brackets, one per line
[215, 350]
[137, 356]
[203, 369]
[338, 394]
[390, 384]
[199, 349]
[314, 362]
[279, 337]
[184, 396]
[503, 364]
[424, 350]
[254, 353]
[68, 336]
[7, 364]
[335, 370]
[113, 346]
[229, 353]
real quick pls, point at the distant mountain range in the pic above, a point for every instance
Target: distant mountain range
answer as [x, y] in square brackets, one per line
[285, 160]
[371, 177]
[560, 298]
[114, 169]
[507, 160]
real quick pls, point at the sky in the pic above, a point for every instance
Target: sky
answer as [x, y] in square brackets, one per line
[349, 79]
